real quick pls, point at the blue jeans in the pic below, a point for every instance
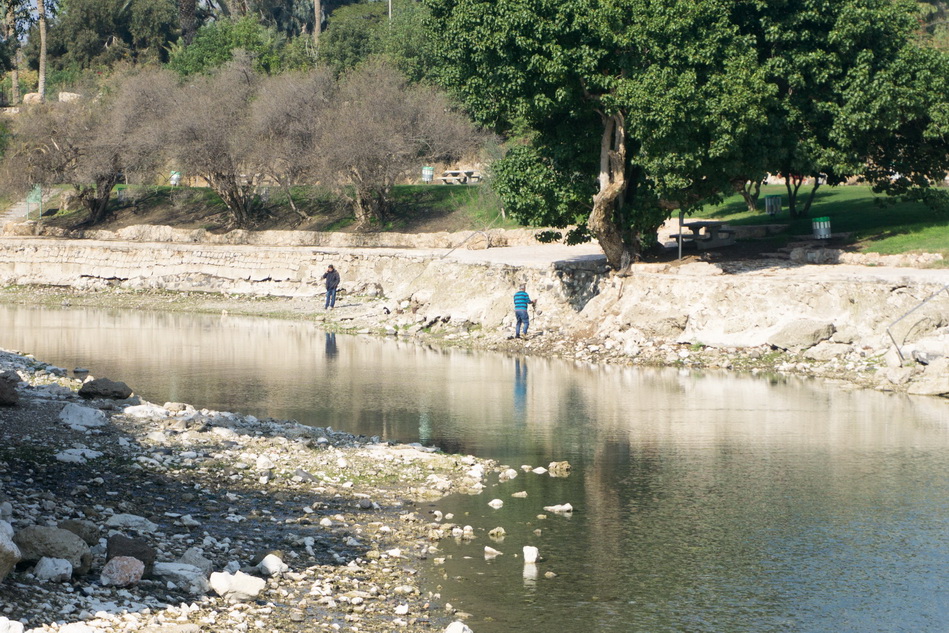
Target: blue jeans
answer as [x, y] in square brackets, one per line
[330, 298]
[522, 318]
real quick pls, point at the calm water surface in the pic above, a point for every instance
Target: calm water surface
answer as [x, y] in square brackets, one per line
[702, 502]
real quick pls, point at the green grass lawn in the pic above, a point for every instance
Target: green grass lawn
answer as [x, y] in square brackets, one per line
[877, 224]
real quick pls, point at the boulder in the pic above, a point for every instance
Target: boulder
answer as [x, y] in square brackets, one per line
[10, 626]
[272, 565]
[933, 380]
[32, 98]
[105, 388]
[80, 418]
[122, 546]
[458, 627]
[38, 541]
[9, 552]
[53, 570]
[8, 384]
[86, 530]
[825, 351]
[66, 97]
[146, 411]
[131, 522]
[801, 334]
[238, 587]
[122, 571]
[187, 577]
[195, 556]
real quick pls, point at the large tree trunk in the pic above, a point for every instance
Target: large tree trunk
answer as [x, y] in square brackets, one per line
[15, 77]
[318, 21]
[750, 191]
[10, 34]
[96, 199]
[792, 183]
[806, 211]
[187, 19]
[41, 14]
[612, 186]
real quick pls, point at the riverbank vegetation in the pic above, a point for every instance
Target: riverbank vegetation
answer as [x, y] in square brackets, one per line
[254, 98]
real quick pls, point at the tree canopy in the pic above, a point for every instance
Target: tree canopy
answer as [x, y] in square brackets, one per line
[650, 106]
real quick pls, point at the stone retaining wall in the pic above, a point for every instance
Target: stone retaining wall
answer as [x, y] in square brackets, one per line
[166, 234]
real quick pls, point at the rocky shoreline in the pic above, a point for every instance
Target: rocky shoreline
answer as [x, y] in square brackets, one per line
[122, 515]
[806, 348]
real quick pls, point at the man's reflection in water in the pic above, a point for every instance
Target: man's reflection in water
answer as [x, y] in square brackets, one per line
[520, 389]
[331, 351]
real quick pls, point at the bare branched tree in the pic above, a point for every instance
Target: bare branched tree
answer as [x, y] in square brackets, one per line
[383, 129]
[287, 120]
[210, 134]
[89, 144]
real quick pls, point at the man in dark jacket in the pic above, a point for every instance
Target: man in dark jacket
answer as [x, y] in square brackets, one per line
[332, 282]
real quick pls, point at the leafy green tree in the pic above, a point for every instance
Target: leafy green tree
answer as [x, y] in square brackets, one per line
[646, 101]
[353, 34]
[847, 96]
[215, 43]
[16, 18]
[96, 33]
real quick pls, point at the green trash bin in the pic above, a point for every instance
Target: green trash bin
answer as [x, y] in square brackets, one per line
[821, 228]
[428, 174]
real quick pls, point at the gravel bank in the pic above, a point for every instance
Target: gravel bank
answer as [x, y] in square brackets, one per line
[348, 520]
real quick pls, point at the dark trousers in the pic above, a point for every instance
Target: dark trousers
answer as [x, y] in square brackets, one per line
[330, 298]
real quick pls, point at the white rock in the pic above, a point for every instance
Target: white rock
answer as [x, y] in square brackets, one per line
[77, 455]
[131, 522]
[239, 587]
[540, 470]
[10, 626]
[78, 627]
[507, 475]
[145, 411]
[530, 554]
[496, 503]
[458, 627]
[490, 552]
[271, 565]
[80, 418]
[265, 463]
[564, 508]
[402, 609]
[53, 570]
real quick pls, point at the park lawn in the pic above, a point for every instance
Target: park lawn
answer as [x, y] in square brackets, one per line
[876, 223]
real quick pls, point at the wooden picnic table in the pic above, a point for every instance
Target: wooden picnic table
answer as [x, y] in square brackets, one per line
[460, 176]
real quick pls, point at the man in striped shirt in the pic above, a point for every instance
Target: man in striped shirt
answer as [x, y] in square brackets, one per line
[521, 301]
